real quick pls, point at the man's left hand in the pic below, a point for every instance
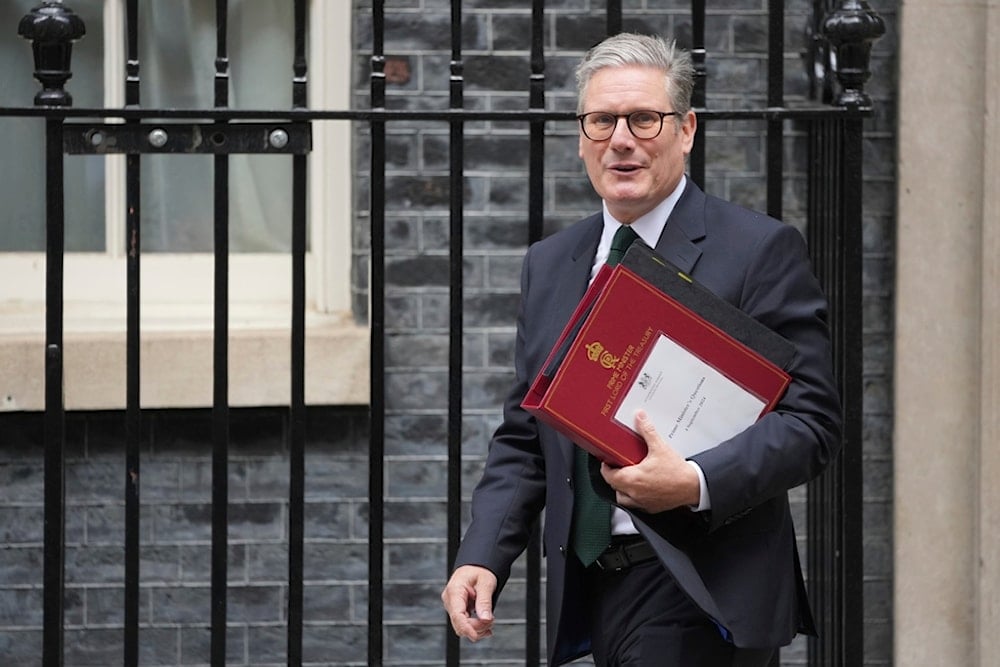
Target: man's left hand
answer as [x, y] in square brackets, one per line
[662, 481]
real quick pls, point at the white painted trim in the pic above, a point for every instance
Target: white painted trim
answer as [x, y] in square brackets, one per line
[330, 164]
[114, 98]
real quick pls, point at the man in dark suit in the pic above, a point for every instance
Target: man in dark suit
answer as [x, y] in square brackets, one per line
[701, 567]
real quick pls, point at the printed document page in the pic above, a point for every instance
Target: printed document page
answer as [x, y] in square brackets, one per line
[693, 406]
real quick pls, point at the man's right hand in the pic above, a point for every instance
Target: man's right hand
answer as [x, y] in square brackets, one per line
[468, 599]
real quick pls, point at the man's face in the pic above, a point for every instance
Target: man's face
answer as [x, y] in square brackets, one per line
[634, 175]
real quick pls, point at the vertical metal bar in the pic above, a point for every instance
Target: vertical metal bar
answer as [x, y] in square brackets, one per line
[300, 67]
[297, 419]
[132, 53]
[850, 491]
[376, 481]
[816, 53]
[455, 306]
[536, 100]
[775, 99]
[133, 417]
[831, 487]
[614, 17]
[133, 414]
[536, 211]
[835, 501]
[835, 196]
[220, 418]
[220, 399]
[297, 427]
[776, 53]
[698, 99]
[831, 504]
[822, 243]
[54, 533]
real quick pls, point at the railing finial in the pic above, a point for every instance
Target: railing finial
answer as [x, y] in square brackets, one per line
[851, 29]
[52, 29]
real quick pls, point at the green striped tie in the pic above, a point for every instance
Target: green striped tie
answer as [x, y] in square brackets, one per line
[591, 513]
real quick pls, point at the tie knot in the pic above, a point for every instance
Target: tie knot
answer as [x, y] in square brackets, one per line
[620, 243]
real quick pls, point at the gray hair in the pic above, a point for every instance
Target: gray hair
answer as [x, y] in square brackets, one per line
[645, 50]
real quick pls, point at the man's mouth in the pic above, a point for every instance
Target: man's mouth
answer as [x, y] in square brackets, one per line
[624, 168]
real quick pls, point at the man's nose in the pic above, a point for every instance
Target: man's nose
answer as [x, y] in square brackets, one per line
[622, 134]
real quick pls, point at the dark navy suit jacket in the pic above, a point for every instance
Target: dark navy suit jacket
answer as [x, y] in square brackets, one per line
[738, 562]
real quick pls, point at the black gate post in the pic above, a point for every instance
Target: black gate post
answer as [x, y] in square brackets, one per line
[835, 535]
[52, 29]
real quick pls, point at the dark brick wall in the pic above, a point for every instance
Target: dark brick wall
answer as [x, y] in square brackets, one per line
[175, 535]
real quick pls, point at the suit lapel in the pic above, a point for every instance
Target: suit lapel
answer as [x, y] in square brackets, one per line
[684, 227]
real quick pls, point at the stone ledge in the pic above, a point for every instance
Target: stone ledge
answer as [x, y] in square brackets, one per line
[176, 367]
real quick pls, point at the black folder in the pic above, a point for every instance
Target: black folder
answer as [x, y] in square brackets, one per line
[654, 269]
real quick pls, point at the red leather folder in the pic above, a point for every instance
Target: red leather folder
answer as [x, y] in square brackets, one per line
[645, 332]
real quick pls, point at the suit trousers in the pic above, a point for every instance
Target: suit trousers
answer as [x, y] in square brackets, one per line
[640, 618]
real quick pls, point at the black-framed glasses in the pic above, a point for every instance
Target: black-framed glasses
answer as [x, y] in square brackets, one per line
[643, 124]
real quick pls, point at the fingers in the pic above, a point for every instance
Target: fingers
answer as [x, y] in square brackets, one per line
[484, 600]
[646, 428]
[626, 500]
[659, 449]
[468, 599]
[613, 476]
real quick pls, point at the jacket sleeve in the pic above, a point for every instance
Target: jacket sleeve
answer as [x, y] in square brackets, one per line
[511, 493]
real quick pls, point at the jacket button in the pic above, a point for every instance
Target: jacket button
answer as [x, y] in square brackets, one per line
[569, 482]
[562, 549]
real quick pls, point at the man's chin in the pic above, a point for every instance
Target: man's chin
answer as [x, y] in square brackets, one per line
[627, 189]
[626, 200]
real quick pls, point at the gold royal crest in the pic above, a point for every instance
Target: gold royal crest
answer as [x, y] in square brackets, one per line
[596, 352]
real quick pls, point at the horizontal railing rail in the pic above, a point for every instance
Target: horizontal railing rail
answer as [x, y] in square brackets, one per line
[808, 111]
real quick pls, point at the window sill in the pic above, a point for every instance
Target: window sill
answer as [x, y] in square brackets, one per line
[176, 360]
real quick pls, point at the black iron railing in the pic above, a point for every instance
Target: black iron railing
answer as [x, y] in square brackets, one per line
[834, 127]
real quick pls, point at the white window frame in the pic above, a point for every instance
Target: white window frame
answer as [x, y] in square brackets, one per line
[176, 289]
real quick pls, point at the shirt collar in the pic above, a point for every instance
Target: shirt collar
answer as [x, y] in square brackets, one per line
[648, 226]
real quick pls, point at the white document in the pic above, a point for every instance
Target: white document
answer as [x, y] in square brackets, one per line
[693, 406]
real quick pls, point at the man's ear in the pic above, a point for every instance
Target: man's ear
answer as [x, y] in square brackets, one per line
[689, 126]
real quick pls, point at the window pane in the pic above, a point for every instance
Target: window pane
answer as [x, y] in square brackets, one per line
[22, 161]
[177, 42]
